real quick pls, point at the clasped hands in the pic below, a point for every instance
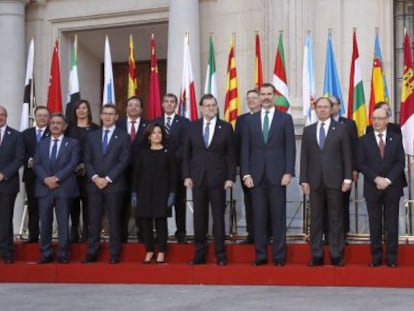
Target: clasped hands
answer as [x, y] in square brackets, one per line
[381, 183]
[51, 182]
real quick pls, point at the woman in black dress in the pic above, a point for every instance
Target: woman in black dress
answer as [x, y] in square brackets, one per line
[79, 129]
[154, 185]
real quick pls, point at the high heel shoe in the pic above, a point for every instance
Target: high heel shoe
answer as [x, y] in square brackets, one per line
[148, 258]
[160, 258]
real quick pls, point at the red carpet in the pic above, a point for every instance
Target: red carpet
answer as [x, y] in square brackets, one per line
[238, 272]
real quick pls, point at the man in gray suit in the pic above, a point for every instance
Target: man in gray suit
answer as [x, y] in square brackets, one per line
[106, 159]
[11, 158]
[267, 165]
[325, 173]
[55, 161]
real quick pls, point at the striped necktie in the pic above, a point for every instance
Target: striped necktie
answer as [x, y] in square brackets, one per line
[168, 126]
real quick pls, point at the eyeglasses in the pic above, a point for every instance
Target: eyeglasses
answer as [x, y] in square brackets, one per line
[379, 118]
[108, 113]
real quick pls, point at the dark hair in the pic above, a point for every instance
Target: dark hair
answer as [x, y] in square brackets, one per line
[268, 84]
[323, 97]
[41, 108]
[139, 99]
[172, 96]
[110, 106]
[58, 114]
[150, 128]
[76, 106]
[252, 91]
[380, 104]
[207, 96]
[335, 98]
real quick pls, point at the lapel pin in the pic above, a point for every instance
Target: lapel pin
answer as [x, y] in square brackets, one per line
[66, 144]
[116, 137]
[8, 132]
[219, 127]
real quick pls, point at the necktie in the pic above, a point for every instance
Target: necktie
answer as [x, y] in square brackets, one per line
[381, 145]
[206, 134]
[105, 141]
[168, 126]
[53, 154]
[266, 127]
[39, 135]
[322, 136]
[133, 131]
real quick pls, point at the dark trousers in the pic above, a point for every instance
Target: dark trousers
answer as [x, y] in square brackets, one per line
[125, 214]
[248, 208]
[161, 231]
[346, 199]
[75, 212]
[62, 207]
[383, 212]
[180, 211]
[204, 196]
[98, 200]
[33, 210]
[6, 224]
[333, 200]
[269, 203]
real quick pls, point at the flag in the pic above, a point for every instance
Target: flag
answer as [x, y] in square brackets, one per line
[232, 103]
[379, 92]
[73, 88]
[258, 71]
[108, 91]
[188, 104]
[308, 86]
[210, 86]
[279, 78]
[331, 85]
[28, 97]
[132, 74]
[357, 110]
[407, 99]
[54, 95]
[154, 99]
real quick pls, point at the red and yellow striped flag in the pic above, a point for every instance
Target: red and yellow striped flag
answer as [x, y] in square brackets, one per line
[232, 103]
[132, 75]
[258, 71]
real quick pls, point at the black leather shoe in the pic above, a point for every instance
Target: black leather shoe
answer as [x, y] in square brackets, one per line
[315, 262]
[182, 240]
[63, 260]
[198, 261]
[114, 260]
[45, 260]
[260, 262]
[247, 240]
[338, 262]
[221, 262]
[31, 241]
[391, 264]
[375, 264]
[278, 262]
[8, 261]
[89, 259]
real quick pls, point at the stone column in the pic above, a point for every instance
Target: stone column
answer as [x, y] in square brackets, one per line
[183, 17]
[13, 63]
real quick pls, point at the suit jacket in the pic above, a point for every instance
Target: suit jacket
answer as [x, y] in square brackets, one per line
[30, 143]
[372, 165]
[175, 140]
[64, 168]
[332, 164]
[353, 138]
[393, 127]
[272, 160]
[11, 158]
[218, 159]
[112, 164]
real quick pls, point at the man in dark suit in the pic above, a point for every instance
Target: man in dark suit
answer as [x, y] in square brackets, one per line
[267, 165]
[11, 158]
[254, 104]
[175, 127]
[135, 126]
[106, 159]
[353, 138]
[325, 173]
[393, 127]
[31, 137]
[209, 168]
[381, 161]
[54, 163]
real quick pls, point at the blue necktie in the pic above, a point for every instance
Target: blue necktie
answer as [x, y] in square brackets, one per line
[266, 127]
[322, 136]
[105, 141]
[53, 155]
[206, 134]
[39, 135]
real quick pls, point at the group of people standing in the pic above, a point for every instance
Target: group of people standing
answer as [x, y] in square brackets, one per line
[151, 165]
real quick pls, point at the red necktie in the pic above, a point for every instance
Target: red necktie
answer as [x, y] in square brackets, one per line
[133, 131]
[381, 145]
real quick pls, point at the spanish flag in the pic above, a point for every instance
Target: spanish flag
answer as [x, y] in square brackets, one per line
[132, 76]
